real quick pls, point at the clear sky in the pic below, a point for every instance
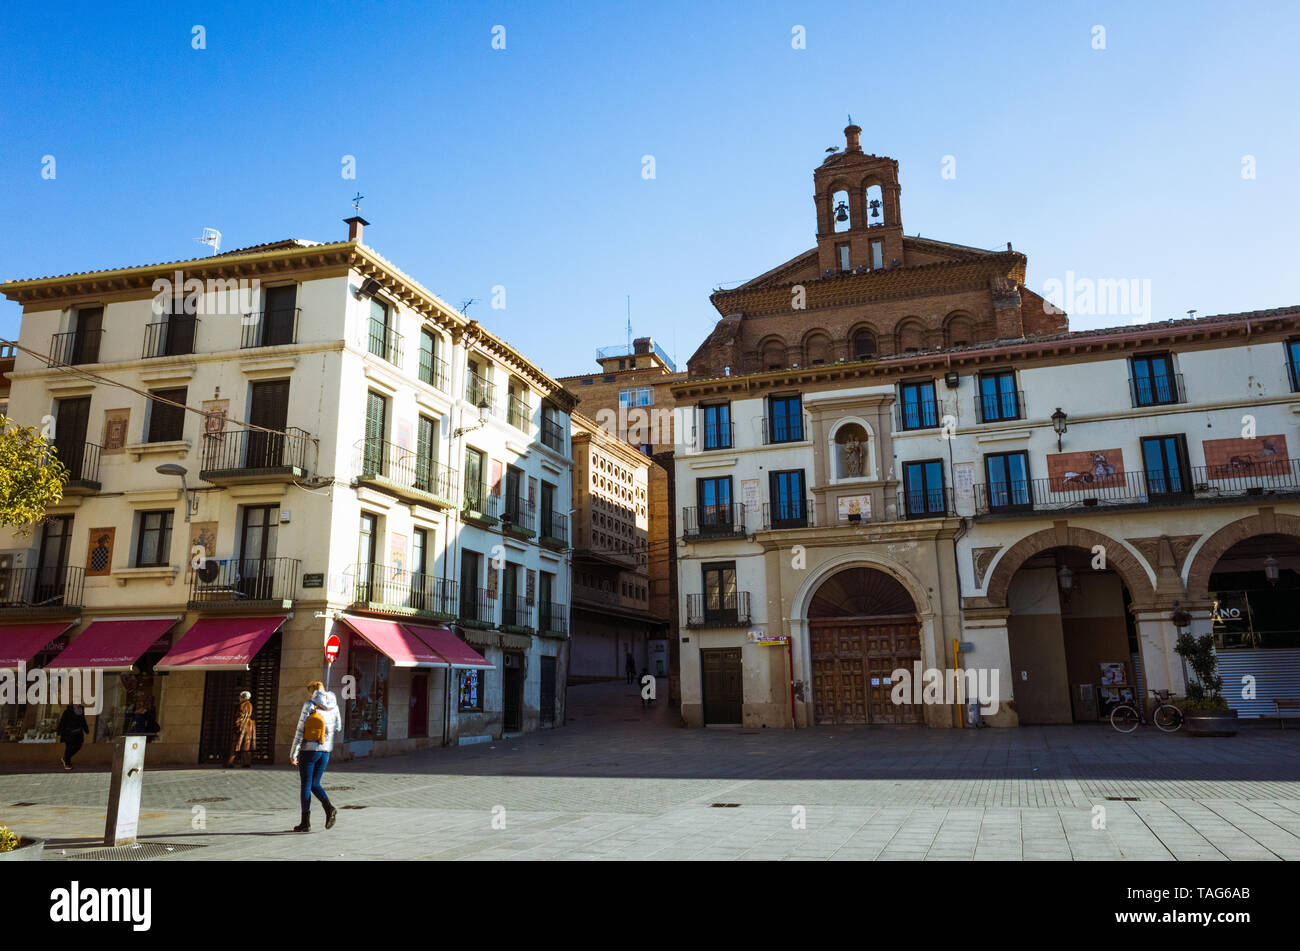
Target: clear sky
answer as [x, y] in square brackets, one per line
[523, 167]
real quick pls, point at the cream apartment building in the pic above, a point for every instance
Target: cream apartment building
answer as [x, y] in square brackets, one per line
[268, 447]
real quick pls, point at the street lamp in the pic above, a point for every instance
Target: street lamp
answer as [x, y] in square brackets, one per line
[1058, 424]
[1270, 569]
[172, 469]
[484, 411]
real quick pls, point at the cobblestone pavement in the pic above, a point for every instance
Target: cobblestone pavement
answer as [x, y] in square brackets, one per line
[620, 782]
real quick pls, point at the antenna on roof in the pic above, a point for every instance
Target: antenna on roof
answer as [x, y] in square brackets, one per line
[464, 305]
[211, 236]
[629, 324]
[356, 202]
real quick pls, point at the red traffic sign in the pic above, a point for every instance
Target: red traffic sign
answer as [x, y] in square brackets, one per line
[332, 645]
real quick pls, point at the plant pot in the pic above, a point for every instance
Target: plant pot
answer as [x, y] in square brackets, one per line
[1210, 722]
[29, 850]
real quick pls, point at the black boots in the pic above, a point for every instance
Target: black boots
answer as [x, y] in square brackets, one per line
[330, 814]
[305, 825]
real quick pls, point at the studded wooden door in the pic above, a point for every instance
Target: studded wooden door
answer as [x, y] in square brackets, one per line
[723, 689]
[853, 664]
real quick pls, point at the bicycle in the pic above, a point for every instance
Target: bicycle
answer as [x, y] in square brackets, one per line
[1166, 716]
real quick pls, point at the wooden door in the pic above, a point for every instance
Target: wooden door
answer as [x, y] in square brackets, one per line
[547, 712]
[512, 691]
[277, 321]
[419, 723]
[70, 434]
[268, 408]
[723, 690]
[853, 665]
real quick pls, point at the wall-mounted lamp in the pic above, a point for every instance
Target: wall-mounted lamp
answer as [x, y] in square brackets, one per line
[1058, 424]
[1180, 617]
[171, 468]
[369, 288]
[1270, 569]
[484, 412]
[1065, 578]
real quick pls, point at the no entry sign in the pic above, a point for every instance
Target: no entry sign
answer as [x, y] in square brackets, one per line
[332, 644]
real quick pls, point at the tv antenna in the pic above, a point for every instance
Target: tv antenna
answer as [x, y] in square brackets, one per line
[464, 305]
[211, 236]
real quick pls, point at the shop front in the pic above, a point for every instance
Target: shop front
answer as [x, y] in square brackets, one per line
[25, 647]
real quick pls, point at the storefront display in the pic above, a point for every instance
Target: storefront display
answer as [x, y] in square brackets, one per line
[368, 709]
[471, 690]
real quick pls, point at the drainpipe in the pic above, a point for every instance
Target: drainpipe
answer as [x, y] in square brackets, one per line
[789, 650]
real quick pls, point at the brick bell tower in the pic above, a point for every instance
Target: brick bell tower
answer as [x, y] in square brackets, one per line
[859, 227]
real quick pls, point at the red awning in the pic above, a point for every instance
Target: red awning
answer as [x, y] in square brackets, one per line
[114, 644]
[19, 643]
[455, 651]
[402, 647]
[221, 643]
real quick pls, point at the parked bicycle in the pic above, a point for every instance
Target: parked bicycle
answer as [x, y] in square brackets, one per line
[1166, 716]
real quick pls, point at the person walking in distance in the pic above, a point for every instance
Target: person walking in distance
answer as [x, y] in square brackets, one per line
[318, 725]
[629, 668]
[245, 733]
[72, 731]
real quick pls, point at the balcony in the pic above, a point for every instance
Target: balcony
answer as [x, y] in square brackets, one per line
[244, 584]
[1047, 495]
[401, 472]
[1156, 390]
[518, 414]
[385, 342]
[76, 347]
[480, 390]
[1245, 477]
[1000, 407]
[713, 521]
[919, 414]
[783, 429]
[269, 328]
[395, 591]
[789, 513]
[30, 592]
[252, 455]
[926, 503]
[435, 372]
[480, 505]
[553, 620]
[552, 434]
[519, 518]
[717, 611]
[82, 462]
[516, 614]
[712, 436]
[173, 337]
[555, 530]
[476, 608]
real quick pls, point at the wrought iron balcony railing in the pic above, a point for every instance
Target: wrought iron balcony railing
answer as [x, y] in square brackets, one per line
[714, 521]
[476, 608]
[172, 337]
[554, 530]
[516, 612]
[519, 515]
[479, 390]
[393, 466]
[385, 342]
[788, 428]
[76, 347]
[1000, 407]
[41, 588]
[435, 372]
[789, 513]
[269, 328]
[391, 588]
[480, 504]
[552, 434]
[244, 581]
[918, 414]
[249, 452]
[1157, 390]
[724, 609]
[919, 502]
[82, 462]
[553, 619]
[518, 414]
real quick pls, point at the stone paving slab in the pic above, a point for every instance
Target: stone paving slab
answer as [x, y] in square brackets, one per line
[622, 783]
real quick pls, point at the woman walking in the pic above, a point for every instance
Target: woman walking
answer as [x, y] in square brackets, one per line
[72, 730]
[318, 724]
[245, 733]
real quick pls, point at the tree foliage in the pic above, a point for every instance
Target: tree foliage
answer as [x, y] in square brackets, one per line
[1206, 692]
[31, 476]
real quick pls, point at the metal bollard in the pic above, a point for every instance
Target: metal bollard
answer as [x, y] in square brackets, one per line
[123, 822]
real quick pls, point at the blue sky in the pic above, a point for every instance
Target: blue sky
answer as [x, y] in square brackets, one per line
[522, 167]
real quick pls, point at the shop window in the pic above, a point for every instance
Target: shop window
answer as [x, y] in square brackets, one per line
[368, 709]
[471, 688]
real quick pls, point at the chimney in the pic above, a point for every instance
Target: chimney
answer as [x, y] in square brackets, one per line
[356, 225]
[851, 134]
[641, 346]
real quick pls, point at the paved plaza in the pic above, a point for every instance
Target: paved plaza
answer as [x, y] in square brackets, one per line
[621, 782]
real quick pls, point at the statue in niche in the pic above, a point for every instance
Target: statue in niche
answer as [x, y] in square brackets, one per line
[855, 457]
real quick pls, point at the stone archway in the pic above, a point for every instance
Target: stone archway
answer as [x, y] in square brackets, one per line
[1266, 522]
[1118, 559]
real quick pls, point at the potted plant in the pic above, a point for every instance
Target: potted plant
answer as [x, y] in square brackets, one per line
[14, 848]
[1205, 712]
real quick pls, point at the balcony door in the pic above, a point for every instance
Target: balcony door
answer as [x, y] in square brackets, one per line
[469, 591]
[53, 561]
[425, 460]
[1165, 460]
[257, 551]
[367, 545]
[474, 491]
[70, 425]
[268, 407]
[90, 327]
[720, 595]
[714, 499]
[372, 452]
[1008, 480]
[277, 318]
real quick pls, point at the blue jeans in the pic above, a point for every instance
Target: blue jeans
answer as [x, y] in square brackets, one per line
[311, 767]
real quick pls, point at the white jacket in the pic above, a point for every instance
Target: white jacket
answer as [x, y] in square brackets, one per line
[324, 701]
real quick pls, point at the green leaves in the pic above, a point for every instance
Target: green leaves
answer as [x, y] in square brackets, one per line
[31, 476]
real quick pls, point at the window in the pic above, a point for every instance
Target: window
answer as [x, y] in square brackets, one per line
[280, 317]
[1154, 381]
[514, 479]
[373, 456]
[426, 443]
[789, 508]
[717, 426]
[552, 429]
[842, 251]
[166, 422]
[864, 345]
[877, 254]
[1293, 363]
[548, 512]
[154, 542]
[714, 497]
[1008, 480]
[421, 598]
[923, 488]
[367, 546]
[178, 330]
[998, 399]
[545, 600]
[637, 396]
[720, 593]
[785, 419]
[368, 707]
[378, 327]
[919, 408]
[52, 572]
[432, 370]
[474, 487]
[83, 343]
[1165, 461]
[470, 690]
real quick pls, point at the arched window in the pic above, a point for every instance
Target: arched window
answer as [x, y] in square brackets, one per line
[840, 210]
[911, 336]
[875, 206]
[773, 354]
[960, 331]
[817, 346]
[863, 345]
[851, 452]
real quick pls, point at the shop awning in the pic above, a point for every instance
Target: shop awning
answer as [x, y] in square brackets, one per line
[19, 643]
[113, 645]
[221, 643]
[402, 647]
[450, 647]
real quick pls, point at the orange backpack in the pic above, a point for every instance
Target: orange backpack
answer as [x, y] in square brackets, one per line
[313, 731]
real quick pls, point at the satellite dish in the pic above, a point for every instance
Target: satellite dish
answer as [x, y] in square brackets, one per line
[208, 573]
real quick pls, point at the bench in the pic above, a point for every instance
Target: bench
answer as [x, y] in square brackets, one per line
[1285, 710]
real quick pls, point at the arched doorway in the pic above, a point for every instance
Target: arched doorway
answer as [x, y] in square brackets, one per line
[1073, 641]
[862, 626]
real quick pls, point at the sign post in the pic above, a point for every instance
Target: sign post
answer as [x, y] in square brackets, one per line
[332, 645]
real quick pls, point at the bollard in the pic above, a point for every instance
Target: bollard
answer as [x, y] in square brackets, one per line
[123, 821]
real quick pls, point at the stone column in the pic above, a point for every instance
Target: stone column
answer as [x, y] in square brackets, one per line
[1157, 635]
[986, 630]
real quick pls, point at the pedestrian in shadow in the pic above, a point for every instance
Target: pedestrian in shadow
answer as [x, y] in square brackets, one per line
[245, 733]
[629, 668]
[318, 725]
[72, 730]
